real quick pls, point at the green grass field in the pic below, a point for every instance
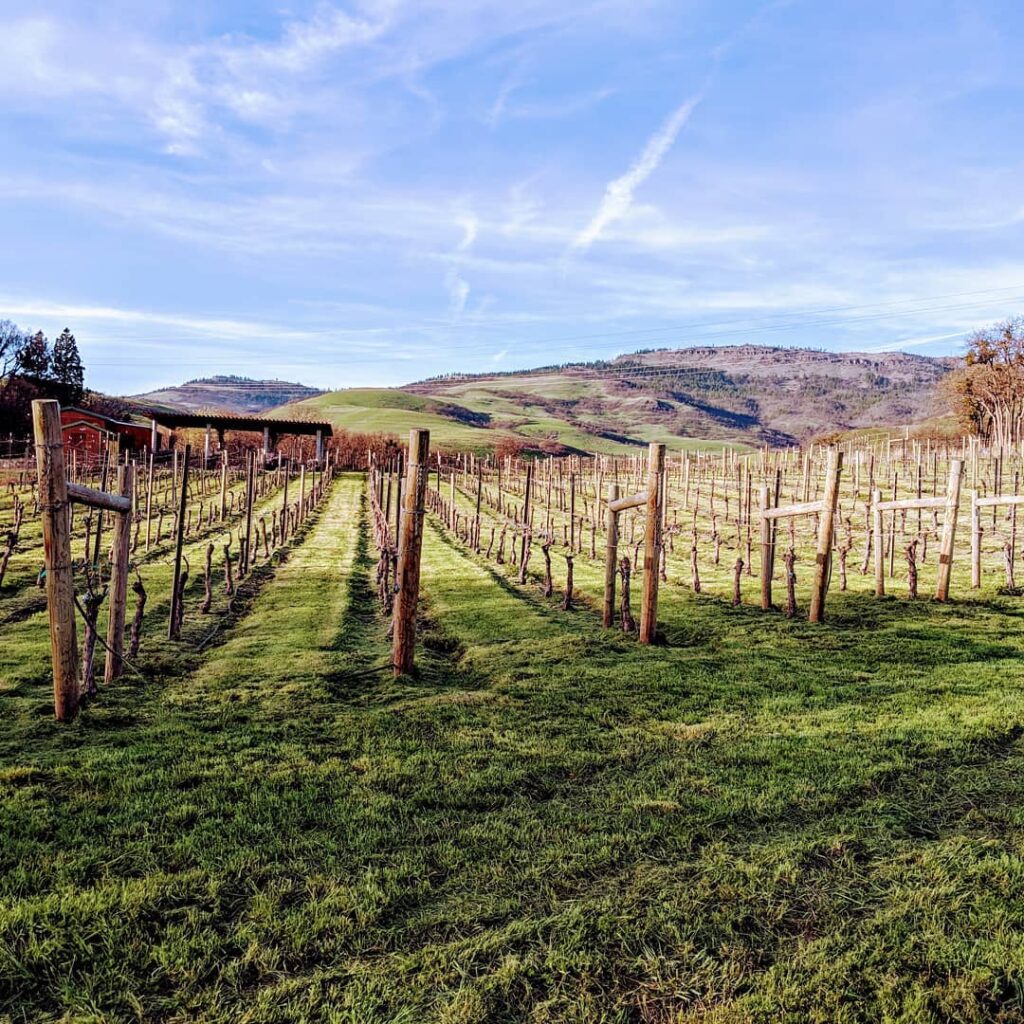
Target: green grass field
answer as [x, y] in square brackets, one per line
[757, 820]
[390, 411]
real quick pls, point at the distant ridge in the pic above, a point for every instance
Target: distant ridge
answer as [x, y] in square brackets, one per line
[225, 393]
[741, 394]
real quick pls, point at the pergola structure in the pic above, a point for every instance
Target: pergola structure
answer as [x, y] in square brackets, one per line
[272, 429]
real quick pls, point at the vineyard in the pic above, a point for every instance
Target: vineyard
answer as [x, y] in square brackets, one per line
[729, 735]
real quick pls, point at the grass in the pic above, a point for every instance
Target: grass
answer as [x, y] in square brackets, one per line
[757, 821]
[384, 410]
[391, 411]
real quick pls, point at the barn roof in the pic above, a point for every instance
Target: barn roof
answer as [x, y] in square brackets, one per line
[221, 421]
[93, 415]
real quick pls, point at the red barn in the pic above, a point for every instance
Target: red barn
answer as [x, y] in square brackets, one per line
[88, 433]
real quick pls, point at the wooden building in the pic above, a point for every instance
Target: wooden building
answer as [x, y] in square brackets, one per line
[88, 433]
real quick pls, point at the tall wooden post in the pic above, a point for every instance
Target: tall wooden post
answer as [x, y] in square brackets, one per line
[284, 506]
[224, 485]
[250, 497]
[572, 511]
[479, 498]
[526, 521]
[766, 552]
[956, 467]
[60, 584]
[179, 541]
[149, 502]
[826, 526]
[975, 542]
[878, 538]
[110, 458]
[652, 543]
[410, 542]
[119, 579]
[611, 555]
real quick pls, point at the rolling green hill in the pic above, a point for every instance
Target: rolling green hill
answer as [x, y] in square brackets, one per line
[696, 397]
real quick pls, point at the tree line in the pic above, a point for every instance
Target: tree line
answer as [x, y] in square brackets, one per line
[988, 390]
[30, 367]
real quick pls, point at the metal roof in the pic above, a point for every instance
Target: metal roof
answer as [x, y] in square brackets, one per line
[221, 421]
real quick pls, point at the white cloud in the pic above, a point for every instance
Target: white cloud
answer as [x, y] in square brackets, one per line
[497, 108]
[470, 226]
[458, 291]
[903, 343]
[618, 196]
[214, 327]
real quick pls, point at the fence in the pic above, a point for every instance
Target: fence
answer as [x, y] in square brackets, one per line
[201, 502]
[830, 500]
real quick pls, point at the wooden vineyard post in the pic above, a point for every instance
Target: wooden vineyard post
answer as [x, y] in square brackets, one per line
[611, 557]
[652, 543]
[956, 467]
[284, 504]
[250, 490]
[410, 541]
[975, 542]
[476, 520]
[879, 542]
[826, 526]
[766, 552]
[149, 502]
[224, 485]
[119, 579]
[526, 521]
[179, 540]
[60, 586]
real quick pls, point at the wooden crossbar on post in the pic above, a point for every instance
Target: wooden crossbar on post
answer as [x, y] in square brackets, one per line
[826, 528]
[60, 584]
[410, 542]
[652, 543]
[99, 499]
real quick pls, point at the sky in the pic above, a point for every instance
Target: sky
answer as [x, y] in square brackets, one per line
[375, 191]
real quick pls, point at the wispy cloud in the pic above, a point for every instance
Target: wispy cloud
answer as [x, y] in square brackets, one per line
[213, 327]
[497, 108]
[902, 343]
[618, 196]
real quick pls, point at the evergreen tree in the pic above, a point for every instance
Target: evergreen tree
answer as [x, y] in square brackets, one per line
[34, 358]
[66, 368]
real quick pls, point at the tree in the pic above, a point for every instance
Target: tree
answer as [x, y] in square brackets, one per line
[66, 368]
[34, 358]
[12, 340]
[988, 391]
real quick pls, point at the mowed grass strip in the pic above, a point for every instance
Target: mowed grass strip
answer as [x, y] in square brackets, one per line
[761, 821]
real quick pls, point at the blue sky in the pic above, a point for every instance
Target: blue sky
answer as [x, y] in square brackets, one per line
[373, 192]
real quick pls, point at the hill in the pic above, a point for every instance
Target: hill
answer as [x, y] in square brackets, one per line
[227, 394]
[745, 395]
